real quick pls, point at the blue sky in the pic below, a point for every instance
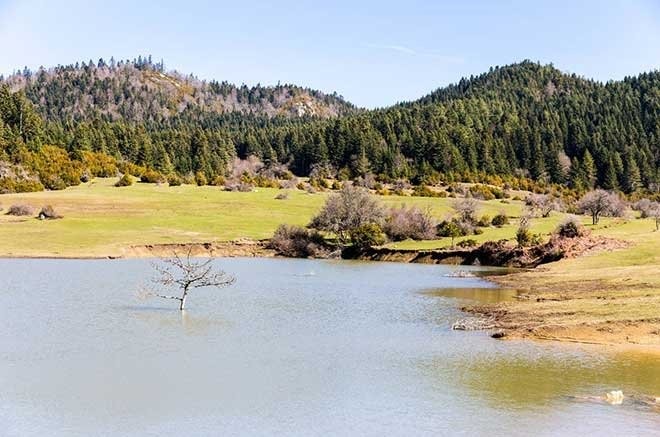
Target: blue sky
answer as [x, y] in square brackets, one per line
[374, 53]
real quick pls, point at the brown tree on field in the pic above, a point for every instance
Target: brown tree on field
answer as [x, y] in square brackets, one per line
[183, 274]
[599, 203]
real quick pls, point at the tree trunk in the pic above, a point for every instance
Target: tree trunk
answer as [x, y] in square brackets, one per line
[182, 306]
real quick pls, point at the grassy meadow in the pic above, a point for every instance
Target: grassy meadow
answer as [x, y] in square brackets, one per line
[100, 219]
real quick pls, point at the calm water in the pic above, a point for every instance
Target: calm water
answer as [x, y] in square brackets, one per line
[295, 347]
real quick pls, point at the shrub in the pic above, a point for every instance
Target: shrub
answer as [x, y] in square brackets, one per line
[217, 181]
[469, 242]
[484, 221]
[241, 187]
[20, 210]
[466, 209]
[297, 242]
[125, 181]
[248, 167]
[523, 234]
[425, 191]
[449, 228]
[282, 196]
[289, 184]
[151, 176]
[200, 179]
[599, 203]
[367, 235]
[570, 227]
[482, 192]
[174, 180]
[367, 181]
[403, 223]
[644, 206]
[48, 213]
[19, 185]
[500, 220]
[542, 204]
[264, 182]
[348, 210]
[336, 185]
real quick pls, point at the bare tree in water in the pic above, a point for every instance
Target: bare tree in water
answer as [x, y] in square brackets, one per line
[185, 274]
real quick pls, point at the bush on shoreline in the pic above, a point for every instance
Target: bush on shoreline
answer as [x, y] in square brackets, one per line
[298, 242]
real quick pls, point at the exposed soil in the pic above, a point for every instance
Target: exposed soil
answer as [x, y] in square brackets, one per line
[231, 249]
[494, 253]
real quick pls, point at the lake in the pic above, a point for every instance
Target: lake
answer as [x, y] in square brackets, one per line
[294, 347]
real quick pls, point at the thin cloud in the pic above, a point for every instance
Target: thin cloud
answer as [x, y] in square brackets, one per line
[412, 52]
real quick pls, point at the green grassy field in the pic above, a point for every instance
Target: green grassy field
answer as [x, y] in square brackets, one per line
[100, 219]
[610, 297]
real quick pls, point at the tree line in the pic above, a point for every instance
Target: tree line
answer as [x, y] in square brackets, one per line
[524, 120]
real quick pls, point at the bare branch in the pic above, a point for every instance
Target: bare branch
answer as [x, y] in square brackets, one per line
[186, 273]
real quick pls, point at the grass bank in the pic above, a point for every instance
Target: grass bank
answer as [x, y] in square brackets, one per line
[610, 297]
[102, 220]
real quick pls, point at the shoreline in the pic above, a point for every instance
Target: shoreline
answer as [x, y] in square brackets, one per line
[527, 318]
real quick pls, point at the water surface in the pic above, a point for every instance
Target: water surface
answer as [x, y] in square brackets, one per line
[295, 347]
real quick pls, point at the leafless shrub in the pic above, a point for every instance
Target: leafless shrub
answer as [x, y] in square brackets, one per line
[297, 242]
[322, 171]
[542, 204]
[238, 186]
[654, 212]
[644, 206]
[399, 186]
[403, 223]
[466, 209]
[276, 171]
[367, 181]
[48, 213]
[289, 184]
[348, 210]
[599, 203]
[20, 210]
[183, 274]
[249, 166]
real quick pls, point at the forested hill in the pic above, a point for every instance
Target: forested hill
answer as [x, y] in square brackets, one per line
[141, 90]
[522, 120]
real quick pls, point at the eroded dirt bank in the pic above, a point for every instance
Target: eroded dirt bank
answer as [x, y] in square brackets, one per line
[493, 253]
[230, 249]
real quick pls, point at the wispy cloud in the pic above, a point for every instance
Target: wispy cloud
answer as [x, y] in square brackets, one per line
[413, 52]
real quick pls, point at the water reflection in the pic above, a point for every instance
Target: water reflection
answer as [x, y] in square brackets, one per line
[477, 295]
[533, 378]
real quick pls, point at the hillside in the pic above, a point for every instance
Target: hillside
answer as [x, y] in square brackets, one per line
[141, 91]
[521, 121]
